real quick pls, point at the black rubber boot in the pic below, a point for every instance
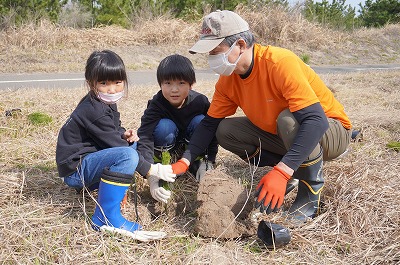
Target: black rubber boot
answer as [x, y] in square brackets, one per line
[292, 183]
[311, 183]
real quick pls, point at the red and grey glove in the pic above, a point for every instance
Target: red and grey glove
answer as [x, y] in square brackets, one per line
[180, 167]
[270, 192]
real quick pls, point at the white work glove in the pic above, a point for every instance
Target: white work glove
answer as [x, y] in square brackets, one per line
[163, 172]
[140, 235]
[201, 171]
[158, 193]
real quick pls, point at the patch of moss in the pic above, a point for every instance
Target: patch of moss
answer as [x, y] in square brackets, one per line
[38, 118]
[394, 145]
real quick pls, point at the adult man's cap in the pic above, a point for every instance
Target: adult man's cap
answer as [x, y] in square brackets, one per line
[216, 27]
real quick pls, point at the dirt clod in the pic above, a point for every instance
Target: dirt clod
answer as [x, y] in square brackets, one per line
[221, 198]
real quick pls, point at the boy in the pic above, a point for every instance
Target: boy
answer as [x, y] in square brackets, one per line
[171, 118]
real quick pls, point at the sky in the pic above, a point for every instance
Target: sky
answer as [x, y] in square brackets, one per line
[354, 3]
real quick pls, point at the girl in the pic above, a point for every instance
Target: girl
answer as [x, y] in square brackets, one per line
[93, 150]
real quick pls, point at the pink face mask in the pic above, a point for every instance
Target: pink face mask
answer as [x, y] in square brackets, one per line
[110, 98]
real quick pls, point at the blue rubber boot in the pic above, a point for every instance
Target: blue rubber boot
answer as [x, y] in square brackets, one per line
[112, 189]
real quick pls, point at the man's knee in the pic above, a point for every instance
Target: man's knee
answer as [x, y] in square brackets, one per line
[223, 130]
[287, 127]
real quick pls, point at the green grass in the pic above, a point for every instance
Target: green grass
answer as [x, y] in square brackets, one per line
[305, 58]
[39, 118]
[394, 146]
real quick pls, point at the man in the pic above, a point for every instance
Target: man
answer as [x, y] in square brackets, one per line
[292, 121]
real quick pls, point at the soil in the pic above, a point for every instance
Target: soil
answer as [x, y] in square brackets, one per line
[220, 199]
[219, 202]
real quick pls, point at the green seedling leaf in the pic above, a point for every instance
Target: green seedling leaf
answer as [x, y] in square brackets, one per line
[165, 160]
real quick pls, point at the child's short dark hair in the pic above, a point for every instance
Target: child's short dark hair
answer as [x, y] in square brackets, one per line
[105, 65]
[176, 67]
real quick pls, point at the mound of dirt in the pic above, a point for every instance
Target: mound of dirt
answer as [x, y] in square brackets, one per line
[221, 198]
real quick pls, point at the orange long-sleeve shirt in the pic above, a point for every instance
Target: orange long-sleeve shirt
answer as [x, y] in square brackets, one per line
[279, 80]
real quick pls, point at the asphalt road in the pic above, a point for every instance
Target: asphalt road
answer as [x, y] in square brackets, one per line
[73, 80]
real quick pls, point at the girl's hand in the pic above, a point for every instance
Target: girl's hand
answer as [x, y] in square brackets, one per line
[131, 136]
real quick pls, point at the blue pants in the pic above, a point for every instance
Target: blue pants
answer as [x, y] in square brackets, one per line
[166, 133]
[118, 159]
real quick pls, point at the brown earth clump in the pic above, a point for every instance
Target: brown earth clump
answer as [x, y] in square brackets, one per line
[224, 207]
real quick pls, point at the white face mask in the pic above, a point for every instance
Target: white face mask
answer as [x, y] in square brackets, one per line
[220, 64]
[110, 98]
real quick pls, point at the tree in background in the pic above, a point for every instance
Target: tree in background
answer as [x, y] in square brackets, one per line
[336, 14]
[107, 12]
[113, 12]
[76, 15]
[18, 12]
[380, 12]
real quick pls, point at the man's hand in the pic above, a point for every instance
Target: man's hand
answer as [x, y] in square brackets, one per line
[181, 166]
[203, 168]
[270, 192]
[158, 193]
[163, 172]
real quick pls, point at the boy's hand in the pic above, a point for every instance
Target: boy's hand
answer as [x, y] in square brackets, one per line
[163, 172]
[158, 193]
[181, 166]
[130, 136]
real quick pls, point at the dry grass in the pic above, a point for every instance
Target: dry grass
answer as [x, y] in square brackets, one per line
[47, 48]
[44, 222]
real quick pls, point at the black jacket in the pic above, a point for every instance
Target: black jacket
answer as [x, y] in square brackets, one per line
[159, 108]
[91, 127]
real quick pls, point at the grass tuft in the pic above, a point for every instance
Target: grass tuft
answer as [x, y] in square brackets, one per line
[305, 58]
[39, 118]
[394, 146]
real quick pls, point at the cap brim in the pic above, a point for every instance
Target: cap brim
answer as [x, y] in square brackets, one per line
[205, 45]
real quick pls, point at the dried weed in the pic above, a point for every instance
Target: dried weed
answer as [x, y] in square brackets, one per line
[43, 221]
[46, 47]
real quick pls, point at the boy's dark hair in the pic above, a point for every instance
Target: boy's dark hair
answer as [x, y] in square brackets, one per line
[104, 65]
[176, 67]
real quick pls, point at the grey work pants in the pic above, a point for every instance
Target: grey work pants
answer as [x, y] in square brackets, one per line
[243, 138]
